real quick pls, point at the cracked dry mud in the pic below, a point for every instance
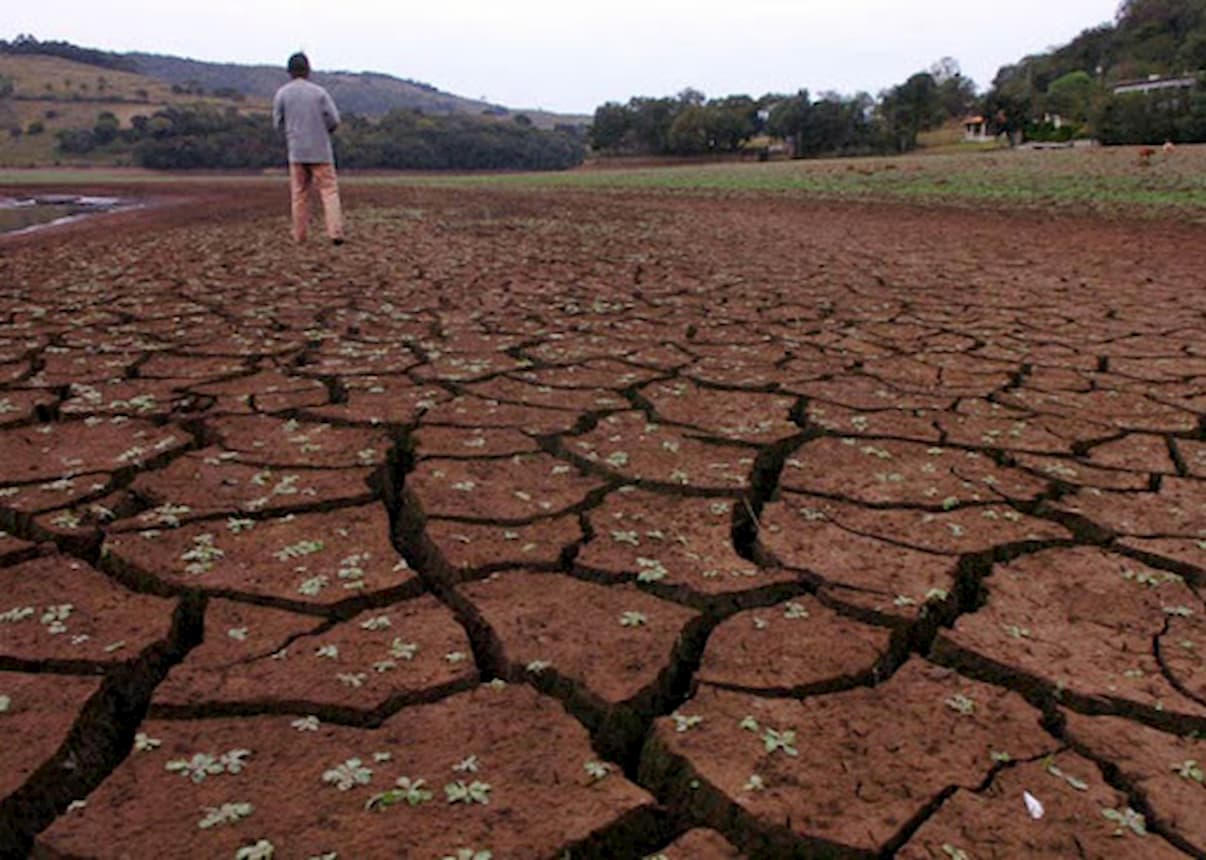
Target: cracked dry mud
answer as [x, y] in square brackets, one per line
[610, 526]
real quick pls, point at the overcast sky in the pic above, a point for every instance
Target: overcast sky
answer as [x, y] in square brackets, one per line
[571, 57]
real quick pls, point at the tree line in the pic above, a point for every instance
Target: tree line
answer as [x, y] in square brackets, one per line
[830, 124]
[206, 136]
[1076, 82]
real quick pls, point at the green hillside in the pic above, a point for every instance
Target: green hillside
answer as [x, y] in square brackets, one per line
[44, 95]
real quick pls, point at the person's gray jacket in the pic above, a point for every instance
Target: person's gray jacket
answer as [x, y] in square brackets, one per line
[308, 115]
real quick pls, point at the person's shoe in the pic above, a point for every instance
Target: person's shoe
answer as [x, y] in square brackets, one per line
[337, 242]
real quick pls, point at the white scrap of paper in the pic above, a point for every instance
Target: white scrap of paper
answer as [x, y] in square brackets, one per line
[1032, 805]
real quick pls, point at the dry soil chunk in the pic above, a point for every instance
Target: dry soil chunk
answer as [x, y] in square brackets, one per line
[700, 844]
[995, 823]
[513, 489]
[847, 769]
[315, 558]
[681, 543]
[286, 443]
[796, 645]
[631, 447]
[411, 651]
[1083, 620]
[1178, 510]
[308, 786]
[757, 418]
[889, 472]
[1167, 769]
[60, 451]
[615, 641]
[36, 713]
[467, 547]
[207, 482]
[60, 609]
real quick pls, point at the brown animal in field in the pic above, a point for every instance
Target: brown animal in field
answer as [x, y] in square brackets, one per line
[1145, 156]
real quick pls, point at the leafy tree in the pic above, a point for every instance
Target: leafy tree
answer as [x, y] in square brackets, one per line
[1071, 95]
[106, 129]
[911, 108]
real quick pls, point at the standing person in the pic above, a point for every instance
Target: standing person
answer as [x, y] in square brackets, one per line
[307, 115]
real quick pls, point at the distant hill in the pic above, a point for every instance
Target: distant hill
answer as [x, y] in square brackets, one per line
[370, 94]
[364, 93]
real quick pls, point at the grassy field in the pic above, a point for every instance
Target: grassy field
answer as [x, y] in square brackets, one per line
[1100, 180]
[1108, 181]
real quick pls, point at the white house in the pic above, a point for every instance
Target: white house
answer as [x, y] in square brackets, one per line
[975, 130]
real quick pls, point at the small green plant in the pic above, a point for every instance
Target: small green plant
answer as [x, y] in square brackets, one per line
[474, 792]
[469, 854]
[1078, 784]
[795, 611]
[6, 704]
[1189, 770]
[683, 723]
[145, 743]
[260, 850]
[961, 704]
[306, 724]
[203, 765]
[470, 764]
[408, 791]
[227, 813]
[749, 724]
[754, 783]
[1124, 820]
[652, 570]
[597, 770]
[774, 740]
[954, 853]
[633, 619]
[348, 775]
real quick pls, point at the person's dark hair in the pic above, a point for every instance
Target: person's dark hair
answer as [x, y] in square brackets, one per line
[299, 65]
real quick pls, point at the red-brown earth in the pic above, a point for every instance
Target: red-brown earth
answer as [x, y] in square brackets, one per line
[633, 525]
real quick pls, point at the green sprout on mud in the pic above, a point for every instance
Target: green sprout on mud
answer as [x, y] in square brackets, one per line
[749, 724]
[1001, 757]
[961, 704]
[474, 792]
[903, 601]
[1015, 632]
[379, 622]
[652, 570]
[5, 704]
[630, 538]
[597, 770]
[954, 853]
[1178, 611]
[1126, 819]
[312, 586]
[355, 680]
[145, 743]
[1053, 769]
[348, 775]
[1151, 580]
[16, 614]
[400, 650]
[239, 634]
[469, 854]
[633, 619]
[538, 666]
[456, 656]
[301, 549]
[327, 652]
[237, 525]
[468, 765]
[754, 783]
[227, 813]
[408, 791]
[306, 724]
[203, 765]
[937, 594]
[794, 611]
[1189, 770]
[683, 723]
[261, 850]
[774, 740]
